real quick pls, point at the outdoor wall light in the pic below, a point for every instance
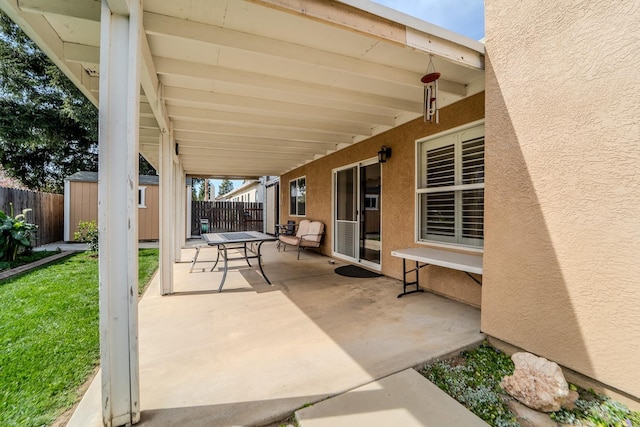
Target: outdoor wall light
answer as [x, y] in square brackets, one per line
[384, 154]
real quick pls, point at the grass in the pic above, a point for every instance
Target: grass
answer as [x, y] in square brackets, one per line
[473, 379]
[49, 338]
[23, 259]
[147, 265]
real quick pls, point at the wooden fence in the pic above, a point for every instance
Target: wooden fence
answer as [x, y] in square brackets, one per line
[226, 216]
[47, 211]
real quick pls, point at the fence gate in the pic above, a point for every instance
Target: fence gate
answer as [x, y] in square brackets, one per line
[226, 216]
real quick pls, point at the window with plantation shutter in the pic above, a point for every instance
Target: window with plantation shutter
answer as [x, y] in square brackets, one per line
[450, 190]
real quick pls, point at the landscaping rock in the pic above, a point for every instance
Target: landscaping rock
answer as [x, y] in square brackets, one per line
[528, 417]
[570, 401]
[537, 383]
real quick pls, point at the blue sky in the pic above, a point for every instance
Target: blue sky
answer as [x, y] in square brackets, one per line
[465, 17]
[217, 182]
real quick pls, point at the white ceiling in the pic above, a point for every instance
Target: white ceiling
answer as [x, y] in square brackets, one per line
[260, 87]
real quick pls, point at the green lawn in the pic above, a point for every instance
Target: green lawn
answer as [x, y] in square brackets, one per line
[25, 259]
[49, 340]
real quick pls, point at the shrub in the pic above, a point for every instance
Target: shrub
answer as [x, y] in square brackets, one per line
[87, 233]
[16, 234]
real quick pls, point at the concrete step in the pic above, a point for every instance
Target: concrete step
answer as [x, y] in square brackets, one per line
[404, 399]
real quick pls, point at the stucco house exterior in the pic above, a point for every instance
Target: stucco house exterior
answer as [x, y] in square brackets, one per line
[533, 164]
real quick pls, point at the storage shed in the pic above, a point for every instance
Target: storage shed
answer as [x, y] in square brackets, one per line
[81, 204]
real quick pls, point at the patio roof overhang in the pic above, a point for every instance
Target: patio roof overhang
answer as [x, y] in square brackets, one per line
[252, 88]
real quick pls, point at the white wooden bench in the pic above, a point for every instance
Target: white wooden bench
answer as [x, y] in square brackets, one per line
[469, 263]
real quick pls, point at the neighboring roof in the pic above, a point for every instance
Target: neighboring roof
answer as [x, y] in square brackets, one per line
[8, 182]
[240, 190]
[86, 176]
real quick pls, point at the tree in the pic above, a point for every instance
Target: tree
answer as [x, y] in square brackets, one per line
[197, 192]
[145, 167]
[225, 187]
[48, 129]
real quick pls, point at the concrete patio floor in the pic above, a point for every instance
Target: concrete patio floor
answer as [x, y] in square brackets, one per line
[254, 353]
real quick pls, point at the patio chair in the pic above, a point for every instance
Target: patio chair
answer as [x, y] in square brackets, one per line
[288, 229]
[309, 235]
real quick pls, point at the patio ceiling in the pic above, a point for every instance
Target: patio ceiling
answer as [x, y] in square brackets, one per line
[254, 88]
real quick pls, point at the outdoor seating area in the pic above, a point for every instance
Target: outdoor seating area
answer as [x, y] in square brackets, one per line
[254, 353]
[308, 235]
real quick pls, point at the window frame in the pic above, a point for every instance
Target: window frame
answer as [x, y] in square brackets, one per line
[297, 203]
[371, 202]
[142, 197]
[421, 189]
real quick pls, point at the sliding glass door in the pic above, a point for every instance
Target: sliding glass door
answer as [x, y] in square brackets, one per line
[357, 211]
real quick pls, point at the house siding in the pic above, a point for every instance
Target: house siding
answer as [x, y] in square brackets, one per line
[397, 198]
[562, 223]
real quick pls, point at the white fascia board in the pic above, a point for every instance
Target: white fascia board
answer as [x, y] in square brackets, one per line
[444, 48]
[415, 23]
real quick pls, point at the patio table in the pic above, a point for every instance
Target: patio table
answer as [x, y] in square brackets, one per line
[468, 263]
[243, 240]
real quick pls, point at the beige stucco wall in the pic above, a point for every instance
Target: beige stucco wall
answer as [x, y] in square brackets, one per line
[562, 195]
[397, 199]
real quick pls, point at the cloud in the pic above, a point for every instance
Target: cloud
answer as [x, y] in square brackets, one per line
[461, 16]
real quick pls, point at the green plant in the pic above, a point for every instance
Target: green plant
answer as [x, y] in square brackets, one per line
[87, 233]
[16, 234]
[597, 410]
[473, 379]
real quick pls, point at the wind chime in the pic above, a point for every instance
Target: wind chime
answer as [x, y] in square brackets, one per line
[430, 104]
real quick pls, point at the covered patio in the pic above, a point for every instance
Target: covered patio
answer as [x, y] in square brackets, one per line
[244, 89]
[254, 353]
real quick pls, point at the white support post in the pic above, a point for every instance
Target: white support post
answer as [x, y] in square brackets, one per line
[188, 220]
[178, 209]
[183, 207]
[167, 220]
[118, 213]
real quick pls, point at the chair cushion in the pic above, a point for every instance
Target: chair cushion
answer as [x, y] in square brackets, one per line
[289, 240]
[309, 244]
[303, 228]
[315, 231]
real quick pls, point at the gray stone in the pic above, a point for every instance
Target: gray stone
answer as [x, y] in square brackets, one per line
[536, 382]
[528, 417]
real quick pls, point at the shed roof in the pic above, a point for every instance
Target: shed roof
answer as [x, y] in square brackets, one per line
[86, 176]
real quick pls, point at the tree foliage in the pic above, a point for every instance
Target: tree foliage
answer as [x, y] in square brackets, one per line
[225, 187]
[48, 129]
[199, 188]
